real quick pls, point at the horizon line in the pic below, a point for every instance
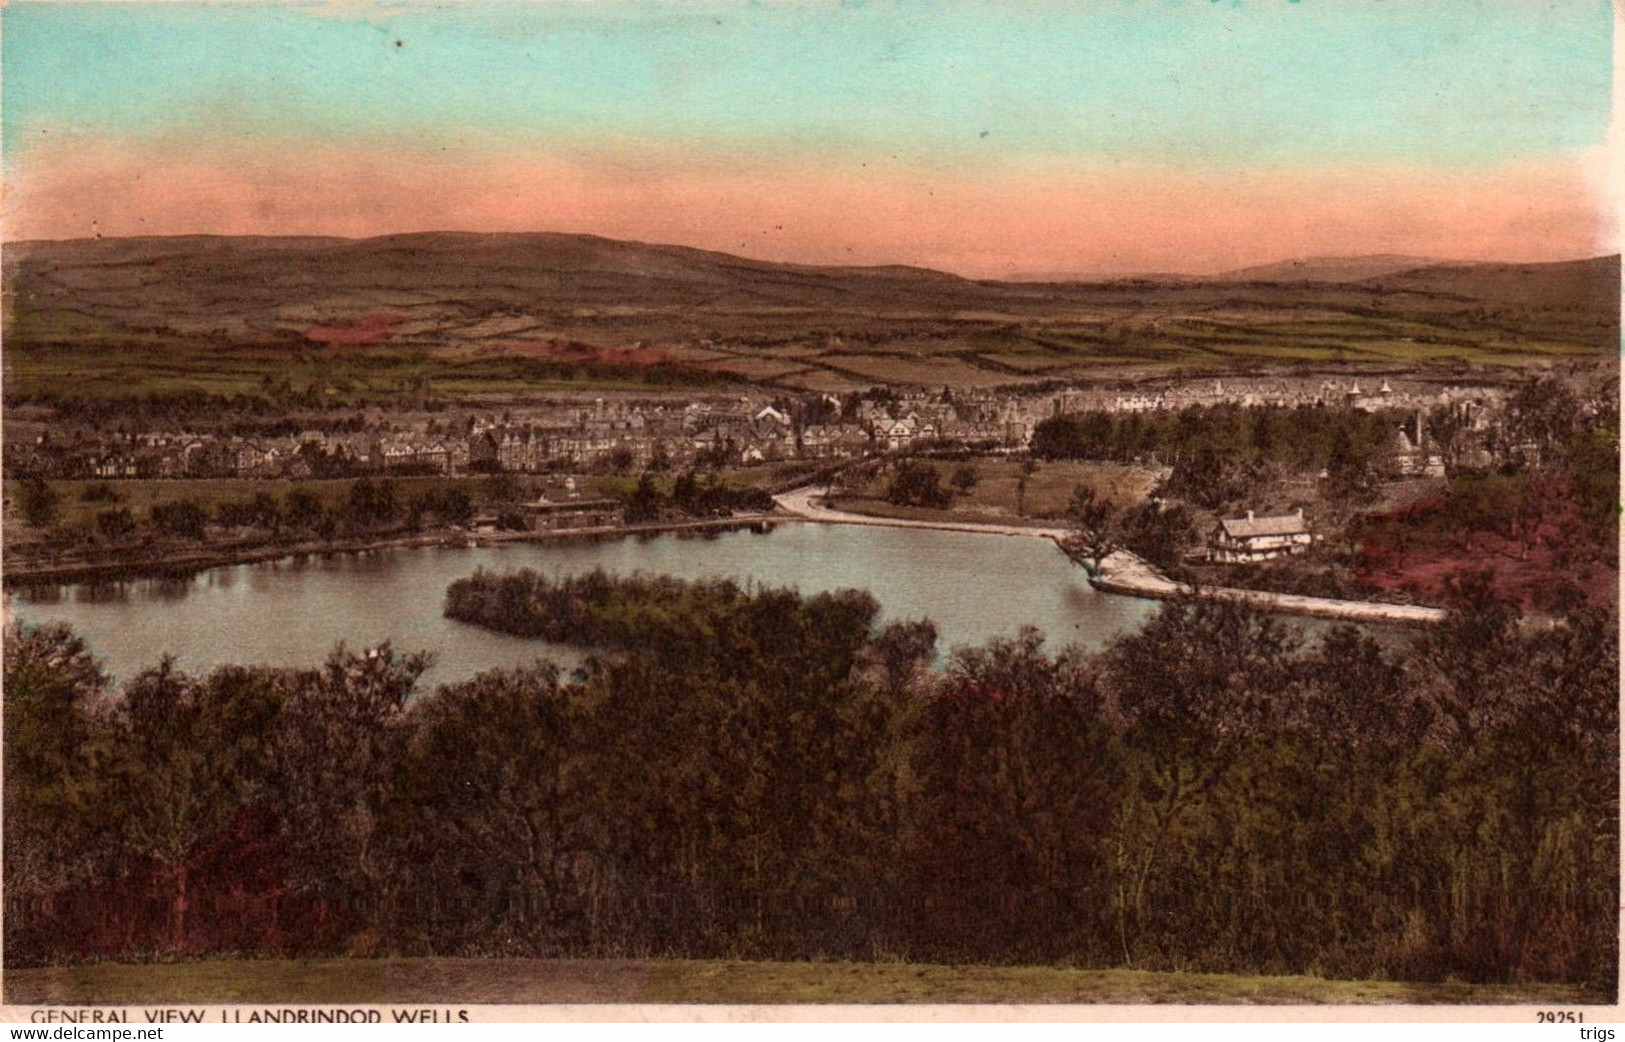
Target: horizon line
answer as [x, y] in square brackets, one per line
[1035, 276]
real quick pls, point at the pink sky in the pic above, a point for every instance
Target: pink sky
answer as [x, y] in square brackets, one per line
[993, 221]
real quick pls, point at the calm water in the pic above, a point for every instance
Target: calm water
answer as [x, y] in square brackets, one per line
[291, 613]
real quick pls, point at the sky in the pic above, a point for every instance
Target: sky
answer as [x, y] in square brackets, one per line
[986, 138]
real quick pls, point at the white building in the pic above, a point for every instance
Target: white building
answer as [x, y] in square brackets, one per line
[1243, 539]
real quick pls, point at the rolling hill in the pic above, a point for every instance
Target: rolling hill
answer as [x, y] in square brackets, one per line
[1325, 269]
[1590, 286]
[114, 316]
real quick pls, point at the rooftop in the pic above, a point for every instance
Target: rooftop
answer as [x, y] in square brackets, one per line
[1250, 527]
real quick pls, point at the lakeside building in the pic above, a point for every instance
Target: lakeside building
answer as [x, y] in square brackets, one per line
[1242, 540]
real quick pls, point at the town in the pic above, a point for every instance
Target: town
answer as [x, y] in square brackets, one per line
[1294, 482]
[629, 434]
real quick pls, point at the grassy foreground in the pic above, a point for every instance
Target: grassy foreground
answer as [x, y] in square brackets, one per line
[537, 981]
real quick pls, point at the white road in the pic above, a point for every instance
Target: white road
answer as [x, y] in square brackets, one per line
[1124, 572]
[805, 503]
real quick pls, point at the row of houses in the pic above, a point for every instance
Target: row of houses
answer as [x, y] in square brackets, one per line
[746, 429]
[571, 435]
[1371, 396]
[517, 447]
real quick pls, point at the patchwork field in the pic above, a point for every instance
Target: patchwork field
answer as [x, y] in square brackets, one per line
[344, 320]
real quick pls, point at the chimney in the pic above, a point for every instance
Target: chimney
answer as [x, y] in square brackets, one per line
[1300, 513]
[1249, 515]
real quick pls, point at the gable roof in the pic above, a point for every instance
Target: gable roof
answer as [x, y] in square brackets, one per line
[1253, 527]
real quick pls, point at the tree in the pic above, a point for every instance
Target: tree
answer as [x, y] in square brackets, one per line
[503, 488]
[372, 504]
[1205, 479]
[1590, 460]
[620, 459]
[1029, 467]
[918, 484]
[57, 821]
[267, 511]
[186, 770]
[685, 492]
[965, 479]
[645, 501]
[1472, 663]
[1541, 414]
[302, 509]
[1158, 531]
[342, 729]
[39, 503]
[491, 808]
[1354, 694]
[235, 514]
[115, 524]
[182, 518]
[1007, 841]
[456, 506]
[1348, 475]
[1092, 518]
[1194, 685]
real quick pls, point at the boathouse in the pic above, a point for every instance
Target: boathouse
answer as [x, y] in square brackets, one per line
[1237, 540]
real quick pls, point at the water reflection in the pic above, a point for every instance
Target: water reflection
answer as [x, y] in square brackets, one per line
[170, 588]
[292, 611]
[117, 592]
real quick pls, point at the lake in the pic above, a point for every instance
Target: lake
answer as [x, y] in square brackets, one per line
[292, 612]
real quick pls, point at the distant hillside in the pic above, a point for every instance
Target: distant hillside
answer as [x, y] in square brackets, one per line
[469, 312]
[1098, 278]
[251, 270]
[1325, 269]
[1585, 285]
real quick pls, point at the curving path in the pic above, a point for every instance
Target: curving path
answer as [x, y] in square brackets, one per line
[1125, 573]
[801, 502]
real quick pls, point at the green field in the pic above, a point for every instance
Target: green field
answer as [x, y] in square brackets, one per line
[761, 475]
[535, 981]
[94, 369]
[995, 496]
[452, 314]
[49, 361]
[310, 376]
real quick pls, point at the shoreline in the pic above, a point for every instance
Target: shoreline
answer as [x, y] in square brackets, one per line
[798, 503]
[188, 563]
[1125, 573]
[1121, 572]
[1131, 576]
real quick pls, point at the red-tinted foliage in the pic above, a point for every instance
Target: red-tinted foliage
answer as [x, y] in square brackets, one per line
[1530, 536]
[576, 352]
[363, 331]
[230, 896]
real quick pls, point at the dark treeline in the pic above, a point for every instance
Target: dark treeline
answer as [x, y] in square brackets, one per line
[367, 507]
[595, 609]
[753, 773]
[691, 494]
[1221, 455]
[1301, 437]
[166, 407]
